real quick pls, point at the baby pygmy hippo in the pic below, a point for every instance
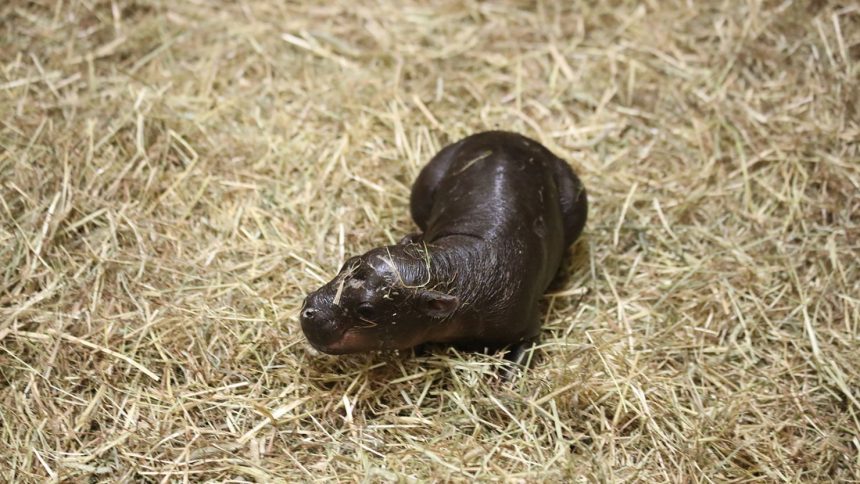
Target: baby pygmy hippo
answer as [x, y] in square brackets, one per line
[497, 211]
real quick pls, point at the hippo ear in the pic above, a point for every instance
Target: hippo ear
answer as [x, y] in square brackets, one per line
[437, 304]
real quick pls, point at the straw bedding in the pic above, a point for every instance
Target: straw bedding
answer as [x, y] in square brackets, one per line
[175, 176]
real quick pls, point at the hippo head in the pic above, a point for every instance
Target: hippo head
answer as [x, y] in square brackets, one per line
[381, 300]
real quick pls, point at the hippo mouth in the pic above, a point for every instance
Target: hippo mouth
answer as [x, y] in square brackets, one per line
[359, 340]
[350, 341]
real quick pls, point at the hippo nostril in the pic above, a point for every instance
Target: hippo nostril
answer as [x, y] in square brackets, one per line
[309, 313]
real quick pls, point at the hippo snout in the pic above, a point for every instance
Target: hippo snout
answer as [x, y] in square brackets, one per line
[319, 323]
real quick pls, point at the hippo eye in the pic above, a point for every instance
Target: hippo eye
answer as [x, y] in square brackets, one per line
[365, 311]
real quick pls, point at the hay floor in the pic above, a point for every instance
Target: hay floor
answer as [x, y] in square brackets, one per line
[175, 176]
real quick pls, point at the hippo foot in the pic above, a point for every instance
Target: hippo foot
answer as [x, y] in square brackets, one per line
[519, 358]
[412, 238]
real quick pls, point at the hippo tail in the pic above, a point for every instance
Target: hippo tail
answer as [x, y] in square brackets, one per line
[574, 201]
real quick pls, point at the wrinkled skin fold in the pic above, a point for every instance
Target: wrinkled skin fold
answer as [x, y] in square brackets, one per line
[496, 211]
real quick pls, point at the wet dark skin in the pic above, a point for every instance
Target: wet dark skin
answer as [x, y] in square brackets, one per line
[496, 211]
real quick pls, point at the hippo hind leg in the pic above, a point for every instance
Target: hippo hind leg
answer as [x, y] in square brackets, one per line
[421, 198]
